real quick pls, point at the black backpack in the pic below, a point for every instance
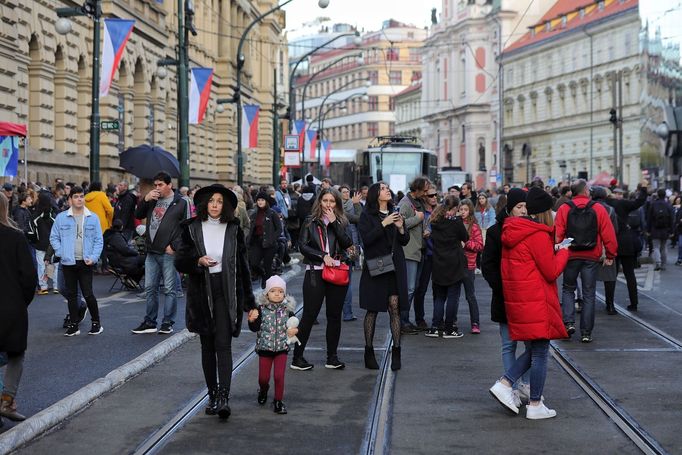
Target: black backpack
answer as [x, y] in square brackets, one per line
[635, 220]
[661, 216]
[581, 224]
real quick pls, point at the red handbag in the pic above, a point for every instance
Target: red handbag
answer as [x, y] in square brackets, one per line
[338, 274]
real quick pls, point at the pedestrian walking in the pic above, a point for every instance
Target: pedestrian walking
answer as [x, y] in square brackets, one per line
[76, 238]
[485, 213]
[323, 242]
[40, 226]
[491, 268]
[430, 204]
[448, 235]
[262, 237]
[588, 224]
[273, 325]
[164, 210]
[212, 252]
[530, 266]
[660, 221]
[472, 247]
[383, 284]
[18, 282]
[607, 273]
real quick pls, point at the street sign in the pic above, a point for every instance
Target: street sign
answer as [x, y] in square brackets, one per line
[292, 159]
[291, 142]
[109, 125]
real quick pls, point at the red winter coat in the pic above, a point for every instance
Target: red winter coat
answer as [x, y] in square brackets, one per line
[606, 234]
[529, 272]
[474, 245]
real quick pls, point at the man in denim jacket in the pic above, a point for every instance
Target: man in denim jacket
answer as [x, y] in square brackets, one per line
[76, 237]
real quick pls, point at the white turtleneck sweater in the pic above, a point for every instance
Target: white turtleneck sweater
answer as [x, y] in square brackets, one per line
[214, 239]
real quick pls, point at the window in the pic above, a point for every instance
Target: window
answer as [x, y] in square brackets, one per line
[395, 78]
[463, 137]
[372, 129]
[373, 77]
[414, 54]
[391, 104]
[373, 103]
[392, 54]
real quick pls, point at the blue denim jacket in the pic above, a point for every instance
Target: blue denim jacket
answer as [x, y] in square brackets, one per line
[63, 237]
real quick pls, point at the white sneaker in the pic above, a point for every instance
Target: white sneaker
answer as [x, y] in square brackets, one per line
[505, 395]
[539, 412]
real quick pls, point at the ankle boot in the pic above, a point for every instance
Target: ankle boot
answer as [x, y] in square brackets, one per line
[611, 309]
[370, 360]
[263, 394]
[222, 407]
[395, 358]
[279, 407]
[8, 408]
[212, 405]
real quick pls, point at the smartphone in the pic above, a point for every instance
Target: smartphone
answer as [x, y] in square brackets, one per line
[396, 209]
[566, 242]
[213, 263]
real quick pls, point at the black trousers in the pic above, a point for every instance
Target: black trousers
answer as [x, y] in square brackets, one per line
[316, 291]
[216, 349]
[258, 253]
[76, 275]
[628, 263]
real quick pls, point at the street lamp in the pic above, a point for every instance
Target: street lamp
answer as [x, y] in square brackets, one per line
[292, 93]
[93, 9]
[240, 65]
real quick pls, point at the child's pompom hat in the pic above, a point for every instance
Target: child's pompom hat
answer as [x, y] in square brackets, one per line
[275, 281]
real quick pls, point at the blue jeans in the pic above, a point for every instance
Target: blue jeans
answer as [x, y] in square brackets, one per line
[348, 301]
[509, 351]
[441, 294]
[535, 360]
[158, 267]
[470, 293]
[588, 277]
[413, 272]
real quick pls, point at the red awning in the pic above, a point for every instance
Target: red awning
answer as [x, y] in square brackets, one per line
[12, 129]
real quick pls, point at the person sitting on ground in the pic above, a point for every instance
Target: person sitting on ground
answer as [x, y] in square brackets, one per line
[122, 256]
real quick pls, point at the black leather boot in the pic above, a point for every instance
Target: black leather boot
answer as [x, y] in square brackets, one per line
[395, 358]
[222, 408]
[263, 395]
[611, 309]
[279, 407]
[370, 360]
[212, 405]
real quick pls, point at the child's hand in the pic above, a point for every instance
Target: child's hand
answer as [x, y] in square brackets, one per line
[253, 315]
[292, 332]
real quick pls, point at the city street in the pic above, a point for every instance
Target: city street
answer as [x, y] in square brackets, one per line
[438, 402]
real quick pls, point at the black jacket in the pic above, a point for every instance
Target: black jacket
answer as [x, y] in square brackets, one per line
[304, 203]
[235, 276]
[491, 264]
[119, 253]
[627, 238]
[22, 216]
[449, 262]
[655, 231]
[309, 241]
[272, 227]
[18, 279]
[124, 210]
[169, 230]
[40, 228]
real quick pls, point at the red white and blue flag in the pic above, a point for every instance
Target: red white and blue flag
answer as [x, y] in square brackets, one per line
[199, 93]
[250, 115]
[326, 152]
[310, 145]
[116, 34]
[299, 130]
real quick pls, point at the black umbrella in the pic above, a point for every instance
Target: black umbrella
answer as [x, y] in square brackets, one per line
[145, 161]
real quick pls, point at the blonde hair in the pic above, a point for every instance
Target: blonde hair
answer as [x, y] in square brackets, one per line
[545, 218]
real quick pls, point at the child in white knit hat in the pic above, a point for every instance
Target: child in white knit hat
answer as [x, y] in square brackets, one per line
[276, 328]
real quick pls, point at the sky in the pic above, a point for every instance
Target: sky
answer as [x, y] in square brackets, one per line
[666, 14]
[367, 14]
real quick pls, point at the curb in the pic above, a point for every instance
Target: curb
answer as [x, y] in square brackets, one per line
[57, 413]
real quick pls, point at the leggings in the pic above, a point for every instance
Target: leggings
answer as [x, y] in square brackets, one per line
[628, 264]
[257, 254]
[394, 317]
[216, 349]
[265, 365]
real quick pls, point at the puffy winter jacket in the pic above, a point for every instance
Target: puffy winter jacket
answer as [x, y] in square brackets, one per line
[474, 245]
[529, 272]
[271, 325]
[98, 203]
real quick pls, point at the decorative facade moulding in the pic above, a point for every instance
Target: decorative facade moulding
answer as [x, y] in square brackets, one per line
[533, 95]
[521, 98]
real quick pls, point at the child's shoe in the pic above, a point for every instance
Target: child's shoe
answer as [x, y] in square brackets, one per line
[279, 407]
[263, 395]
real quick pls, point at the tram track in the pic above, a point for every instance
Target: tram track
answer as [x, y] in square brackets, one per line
[377, 437]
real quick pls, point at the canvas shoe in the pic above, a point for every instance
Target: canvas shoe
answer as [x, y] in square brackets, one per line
[505, 396]
[452, 333]
[539, 412]
[432, 333]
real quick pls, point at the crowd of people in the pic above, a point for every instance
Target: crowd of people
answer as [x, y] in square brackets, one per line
[218, 241]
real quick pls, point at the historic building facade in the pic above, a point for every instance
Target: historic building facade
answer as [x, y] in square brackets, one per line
[408, 111]
[45, 82]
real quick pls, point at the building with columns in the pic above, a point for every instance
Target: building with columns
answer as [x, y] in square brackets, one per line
[45, 82]
[460, 86]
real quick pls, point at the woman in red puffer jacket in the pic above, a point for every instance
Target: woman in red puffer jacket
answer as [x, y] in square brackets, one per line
[531, 263]
[472, 247]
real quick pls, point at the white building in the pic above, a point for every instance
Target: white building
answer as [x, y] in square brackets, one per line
[408, 111]
[460, 81]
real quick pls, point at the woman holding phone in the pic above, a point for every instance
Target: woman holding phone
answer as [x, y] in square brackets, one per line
[213, 255]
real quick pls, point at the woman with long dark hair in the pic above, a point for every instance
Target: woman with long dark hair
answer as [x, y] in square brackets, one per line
[383, 235]
[265, 228]
[322, 242]
[213, 255]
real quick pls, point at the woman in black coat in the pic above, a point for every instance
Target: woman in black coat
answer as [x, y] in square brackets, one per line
[322, 242]
[263, 234]
[213, 255]
[18, 279]
[383, 233]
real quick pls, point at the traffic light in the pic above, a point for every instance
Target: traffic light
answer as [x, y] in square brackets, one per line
[612, 116]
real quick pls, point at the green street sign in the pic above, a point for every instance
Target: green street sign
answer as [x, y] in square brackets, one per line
[109, 125]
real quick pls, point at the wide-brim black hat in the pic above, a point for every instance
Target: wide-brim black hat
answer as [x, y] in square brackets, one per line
[207, 191]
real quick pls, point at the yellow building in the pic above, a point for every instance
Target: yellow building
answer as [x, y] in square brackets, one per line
[45, 82]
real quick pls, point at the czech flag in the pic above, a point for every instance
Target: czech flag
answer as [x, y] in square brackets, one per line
[9, 156]
[310, 145]
[116, 34]
[326, 152]
[299, 130]
[250, 115]
[199, 93]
